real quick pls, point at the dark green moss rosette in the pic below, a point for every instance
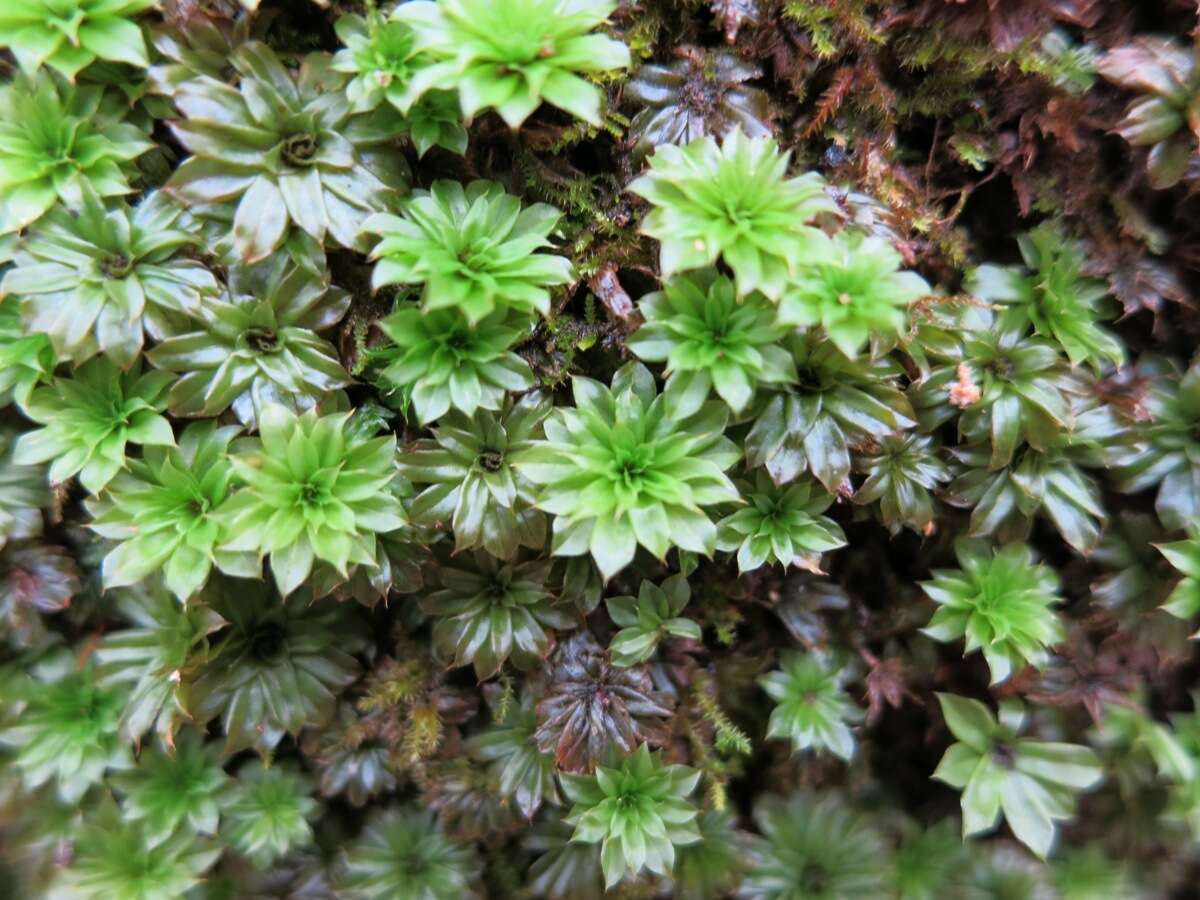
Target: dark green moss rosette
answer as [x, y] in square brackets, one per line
[285, 151]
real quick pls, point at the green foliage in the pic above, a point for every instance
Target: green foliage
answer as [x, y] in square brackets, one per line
[781, 524]
[512, 55]
[812, 708]
[851, 286]
[493, 612]
[262, 341]
[526, 773]
[713, 865]
[146, 661]
[166, 510]
[472, 483]
[473, 249]
[1053, 295]
[23, 492]
[89, 419]
[304, 644]
[381, 57]
[1184, 601]
[709, 338]
[1032, 782]
[268, 813]
[122, 861]
[285, 151]
[637, 810]
[1000, 601]
[903, 471]
[67, 733]
[837, 402]
[649, 618]
[928, 861]
[307, 493]
[813, 846]
[619, 470]
[56, 141]
[1050, 482]
[256, 345]
[1007, 388]
[441, 360]
[69, 36]
[95, 279]
[26, 360]
[184, 790]
[734, 202]
[403, 855]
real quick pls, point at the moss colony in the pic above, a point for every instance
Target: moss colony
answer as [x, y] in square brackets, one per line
[577, 448]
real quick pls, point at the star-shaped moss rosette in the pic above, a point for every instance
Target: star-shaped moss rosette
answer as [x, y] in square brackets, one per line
[1001, 602]
[1164, 72]
[733, 202]
[1167, 453]
[1052, 294]
[648, 618]
[268, 812]
[56, 139]
[618, 470]
[903, 471]
[68, 36]
[812, 707]
[473, 248]
[526, 773]
[403, 854]
[308, 492]
[853, 287]
[638, 810]
[96, 279]
[467, 478]
[511, 55]
[780, 524]
[166, 513]
[66, 735]
[114, 859]
[88, 419]
[816, 848]
[491, 612]
[704, 92]
[305, 643]
[1007, 387]
[439, 359]
[711, 339]
[145, 660]
[1032, 782]
[436, 121]
[24, 490]
[837, 403]
[381, 58]
[286, 151]
[184, 790]
[1053, 483]
[257, 345]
